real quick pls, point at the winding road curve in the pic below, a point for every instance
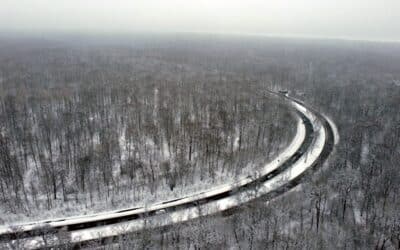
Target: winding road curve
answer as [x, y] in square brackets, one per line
[314, 141]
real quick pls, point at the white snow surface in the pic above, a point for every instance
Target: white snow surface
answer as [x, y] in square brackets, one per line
[292, 172]
[336, 136]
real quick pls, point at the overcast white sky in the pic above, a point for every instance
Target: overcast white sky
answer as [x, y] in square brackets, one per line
[354, 19]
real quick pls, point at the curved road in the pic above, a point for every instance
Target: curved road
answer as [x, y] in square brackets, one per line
[315, 138]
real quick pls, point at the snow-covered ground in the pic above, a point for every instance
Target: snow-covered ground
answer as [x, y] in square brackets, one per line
[244, 179]
[292, 172]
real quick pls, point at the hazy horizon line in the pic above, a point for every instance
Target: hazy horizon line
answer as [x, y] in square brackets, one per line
[73, 33]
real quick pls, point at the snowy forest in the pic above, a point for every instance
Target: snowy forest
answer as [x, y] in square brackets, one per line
[107, 123]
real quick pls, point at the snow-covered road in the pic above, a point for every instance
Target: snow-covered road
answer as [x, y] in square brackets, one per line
[315, 133]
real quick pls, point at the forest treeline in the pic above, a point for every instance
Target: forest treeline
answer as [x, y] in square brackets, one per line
[81, 127]
[350, 203]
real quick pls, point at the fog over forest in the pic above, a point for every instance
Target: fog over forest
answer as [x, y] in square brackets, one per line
[356, 19]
